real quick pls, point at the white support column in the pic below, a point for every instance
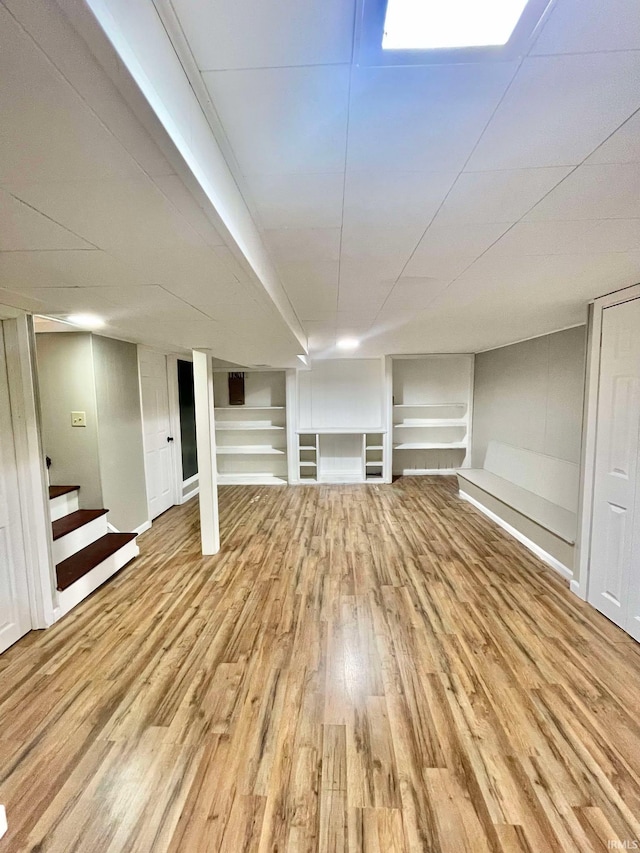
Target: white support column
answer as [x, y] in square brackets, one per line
[206, 444]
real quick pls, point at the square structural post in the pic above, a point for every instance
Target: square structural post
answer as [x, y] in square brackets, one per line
[206, 446]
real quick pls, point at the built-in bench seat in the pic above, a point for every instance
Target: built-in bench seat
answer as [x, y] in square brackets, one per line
[531, 492]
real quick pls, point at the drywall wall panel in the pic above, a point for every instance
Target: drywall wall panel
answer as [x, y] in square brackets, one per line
[341, 394]
[66, 380]
[530, 395]
[120, 433]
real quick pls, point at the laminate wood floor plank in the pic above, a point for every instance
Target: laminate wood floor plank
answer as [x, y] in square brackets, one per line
[365, 669]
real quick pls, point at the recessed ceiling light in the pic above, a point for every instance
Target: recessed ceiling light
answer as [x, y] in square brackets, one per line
[438, 24]
[348, 343]
[86, 321]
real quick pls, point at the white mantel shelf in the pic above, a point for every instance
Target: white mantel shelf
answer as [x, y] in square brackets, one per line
[344, 431]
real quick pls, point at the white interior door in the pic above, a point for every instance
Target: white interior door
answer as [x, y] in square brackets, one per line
[158, 441]
[15, 619]
[614, 579]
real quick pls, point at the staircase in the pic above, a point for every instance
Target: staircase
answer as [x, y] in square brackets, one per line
[84, 552]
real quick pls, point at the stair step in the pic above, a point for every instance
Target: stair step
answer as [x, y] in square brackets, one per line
[80, 564]
[71, 522]
[58, 491]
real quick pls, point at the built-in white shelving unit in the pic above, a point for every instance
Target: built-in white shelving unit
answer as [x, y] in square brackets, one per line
[252, 439]
[334, 455]
[431, 403]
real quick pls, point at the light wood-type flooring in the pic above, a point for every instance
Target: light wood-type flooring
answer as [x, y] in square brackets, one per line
[362, 668]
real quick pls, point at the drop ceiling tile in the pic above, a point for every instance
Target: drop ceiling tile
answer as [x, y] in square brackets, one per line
[446, 250]
[558, 109]
[385, 249]
[594, 192]
[394, 199]
[117, 216]
[312, 287]
[410, 295]
[65, 269]
[298, 201]
[421, 118]
[284, 119]
[504, 196]
[573, 237]
[232, 34]
[290, 245]
[623, 146]
[176, 191]
[48, 131]
[359, 270]
[23, 228]
[580, 26]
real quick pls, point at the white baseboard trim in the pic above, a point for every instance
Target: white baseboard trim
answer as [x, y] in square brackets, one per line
[559, 567]
[190, 495]
[576, 589]
[4, 826]
[146, 525]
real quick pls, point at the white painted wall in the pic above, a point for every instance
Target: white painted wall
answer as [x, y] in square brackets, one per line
[530, 395]
[99, 376]
[342, 394]
[67, 384]
[120, 445]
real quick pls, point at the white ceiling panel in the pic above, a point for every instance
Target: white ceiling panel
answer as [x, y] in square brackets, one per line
[175, 190]
[421, 118]
[623, 146]
[559, 109]
[284, 119]
[394, 199]
[65, 269]
[573, 237]
[117, 215]
[410, 295]
[580, 26]
[445, 251]
[387, 248]
[37, 105]
[504, 196]
[594, 192]
[290, 245]
[232, 34]
[23, 228]
[311, 287]
[298, 201]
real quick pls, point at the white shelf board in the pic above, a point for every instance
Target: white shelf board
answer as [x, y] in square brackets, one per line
[222, 427]
[372, 463]
[430, 406]
[250, 408]
[249, 449]
[339, 431]
[263, 479]
[433, 422]
[374, 480]
[433, 445]
[375, 447]
[308, 465]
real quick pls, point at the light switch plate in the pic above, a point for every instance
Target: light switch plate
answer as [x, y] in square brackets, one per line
[78, 419]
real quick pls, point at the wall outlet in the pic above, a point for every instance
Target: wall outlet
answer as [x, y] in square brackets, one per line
[4, 826]
[78, 419]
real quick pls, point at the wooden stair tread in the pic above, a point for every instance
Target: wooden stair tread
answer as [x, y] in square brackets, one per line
[71, 522]
[58, 491]
[74, 567]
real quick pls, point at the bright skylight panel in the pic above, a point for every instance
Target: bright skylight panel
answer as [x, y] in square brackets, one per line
[437, 24]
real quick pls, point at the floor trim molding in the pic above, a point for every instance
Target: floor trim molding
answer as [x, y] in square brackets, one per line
[556, 565]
